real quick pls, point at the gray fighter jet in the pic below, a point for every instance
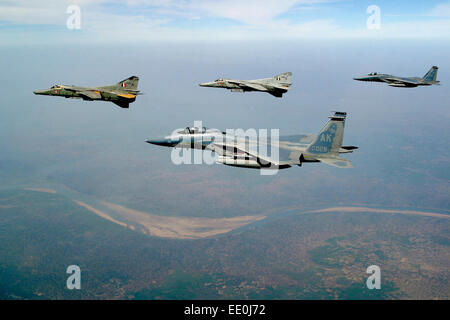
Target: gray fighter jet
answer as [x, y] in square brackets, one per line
[427, 80]
[122, 93]
[276, 86]
[251, 152]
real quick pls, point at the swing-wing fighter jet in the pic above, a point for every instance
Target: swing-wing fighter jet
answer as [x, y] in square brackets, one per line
[276, 85]
[122, 93]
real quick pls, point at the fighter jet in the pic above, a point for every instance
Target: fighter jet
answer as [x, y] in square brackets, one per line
[276, 86]
[251, 152]
[121, 94]
[427, 80]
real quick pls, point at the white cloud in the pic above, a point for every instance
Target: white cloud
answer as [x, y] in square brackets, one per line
[251, 11]
[31, 12]
[146, 21]
[247, 11]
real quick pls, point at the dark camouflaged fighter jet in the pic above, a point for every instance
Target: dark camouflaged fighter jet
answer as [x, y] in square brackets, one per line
[402, 82]
[122, 93]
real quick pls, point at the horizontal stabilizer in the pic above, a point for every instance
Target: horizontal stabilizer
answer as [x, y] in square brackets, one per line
[122, 104]
[277, 94]
[337, 162]
[347, 149]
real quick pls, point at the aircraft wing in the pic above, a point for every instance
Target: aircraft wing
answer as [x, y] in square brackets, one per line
[86, 94]
[347, 149]
[399, 81]
[254, 86]
[273, 153]
[278, 87]
[298, 138]
[90, 94]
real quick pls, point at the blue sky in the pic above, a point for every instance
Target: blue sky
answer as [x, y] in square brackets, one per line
[139, 20]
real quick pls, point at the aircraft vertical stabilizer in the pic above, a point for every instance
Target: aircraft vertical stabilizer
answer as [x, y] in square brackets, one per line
[130, 83]
[329, 140]
[431, 74]
[284, 78]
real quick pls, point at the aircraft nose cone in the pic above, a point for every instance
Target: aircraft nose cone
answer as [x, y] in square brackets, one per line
[158, 142]
[161, 142]
[44, 92]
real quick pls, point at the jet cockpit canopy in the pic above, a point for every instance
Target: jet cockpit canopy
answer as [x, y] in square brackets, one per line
[373, 74]
[193, 130]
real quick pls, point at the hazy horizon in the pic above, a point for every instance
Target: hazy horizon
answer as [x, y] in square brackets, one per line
[79, 184]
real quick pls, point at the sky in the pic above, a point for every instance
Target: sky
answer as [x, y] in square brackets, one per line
[99, 149]
[101, 21]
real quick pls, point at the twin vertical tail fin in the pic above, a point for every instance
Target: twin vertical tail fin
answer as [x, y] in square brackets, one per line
[326, 146]
[284, 78]
[431, 74]
[329, 140]
[130, 83]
